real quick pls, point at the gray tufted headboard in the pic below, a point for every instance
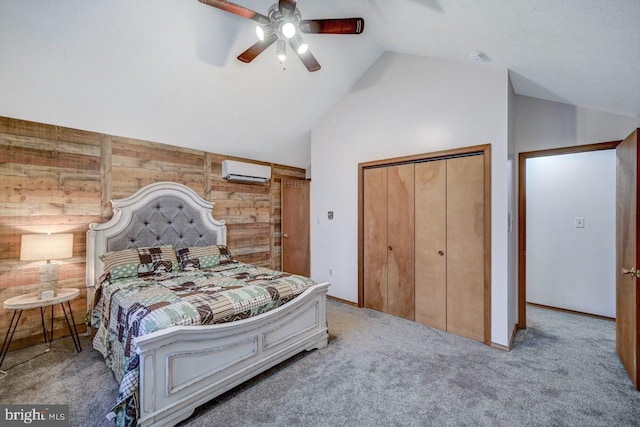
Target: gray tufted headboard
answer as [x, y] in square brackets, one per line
[164, 213]
[165, 220]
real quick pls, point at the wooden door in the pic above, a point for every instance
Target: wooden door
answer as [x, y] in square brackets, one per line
[431, 244]
[375, 238]
[400, 241]
[465, 247]
[627, 294]
[295, 227]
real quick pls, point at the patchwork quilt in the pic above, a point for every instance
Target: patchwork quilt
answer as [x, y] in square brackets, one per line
[134, 306]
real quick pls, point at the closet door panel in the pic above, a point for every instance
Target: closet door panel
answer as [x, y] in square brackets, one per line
[375, 239]
[431, 244]
[465, 244]
[400, 239]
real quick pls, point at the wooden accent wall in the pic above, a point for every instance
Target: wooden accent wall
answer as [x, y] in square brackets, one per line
[57, 179]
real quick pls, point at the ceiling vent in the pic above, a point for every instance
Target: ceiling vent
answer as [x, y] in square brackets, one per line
[245, 172]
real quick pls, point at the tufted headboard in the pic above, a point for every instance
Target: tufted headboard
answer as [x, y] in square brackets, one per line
[164, 213]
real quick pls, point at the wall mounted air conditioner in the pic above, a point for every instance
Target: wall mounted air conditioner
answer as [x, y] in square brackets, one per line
[245, 172]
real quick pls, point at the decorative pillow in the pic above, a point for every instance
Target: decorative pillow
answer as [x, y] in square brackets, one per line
[140, 262]
[203, 257]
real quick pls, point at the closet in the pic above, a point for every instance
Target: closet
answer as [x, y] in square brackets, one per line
[423, 241]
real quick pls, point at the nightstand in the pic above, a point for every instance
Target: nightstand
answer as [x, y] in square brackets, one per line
[33, 300]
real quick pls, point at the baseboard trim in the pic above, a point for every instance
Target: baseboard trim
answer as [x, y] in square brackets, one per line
[343, 301]
[499, 346]
[511, 338]
[514, 331]
[566, 310]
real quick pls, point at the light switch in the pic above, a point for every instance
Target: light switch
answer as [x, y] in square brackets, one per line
[579, 222]
[330, 214]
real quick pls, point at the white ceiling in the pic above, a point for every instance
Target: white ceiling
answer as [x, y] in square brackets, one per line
[165, 70]
[581, 52]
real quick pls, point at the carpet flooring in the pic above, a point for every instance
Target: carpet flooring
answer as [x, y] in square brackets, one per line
[380, 370]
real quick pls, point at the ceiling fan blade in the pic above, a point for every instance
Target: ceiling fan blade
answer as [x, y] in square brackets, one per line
[332, 26]
[287, 7]
[307, 58]
[227, 6]
[256, 49]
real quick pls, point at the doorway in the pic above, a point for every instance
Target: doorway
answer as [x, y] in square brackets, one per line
[522, 217]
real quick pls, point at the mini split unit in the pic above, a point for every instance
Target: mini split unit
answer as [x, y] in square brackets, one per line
[245, 172]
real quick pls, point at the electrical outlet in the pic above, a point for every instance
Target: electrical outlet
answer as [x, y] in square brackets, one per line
[330, 272]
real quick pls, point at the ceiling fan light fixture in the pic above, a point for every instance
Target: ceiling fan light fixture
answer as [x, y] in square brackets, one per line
[282, 24]
[281, 52]
[288, 29]
[303, 48]
[299, 45]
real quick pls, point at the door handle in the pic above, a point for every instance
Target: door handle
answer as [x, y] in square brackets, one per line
[286, 236]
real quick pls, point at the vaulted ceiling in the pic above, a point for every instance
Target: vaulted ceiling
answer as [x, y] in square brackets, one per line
[166, 70]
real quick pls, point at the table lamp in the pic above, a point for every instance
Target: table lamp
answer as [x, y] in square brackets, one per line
[41, 247]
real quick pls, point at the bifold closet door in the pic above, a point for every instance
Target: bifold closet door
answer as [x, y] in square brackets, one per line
[375, 239]
[465, 246]
[400, 241]
[431, 243]
[389, 240]
[424, 243]
[449, 261]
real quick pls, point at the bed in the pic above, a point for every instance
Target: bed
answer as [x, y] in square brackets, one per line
[180, 367]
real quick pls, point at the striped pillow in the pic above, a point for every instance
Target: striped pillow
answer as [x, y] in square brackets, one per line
[140, 262]
[203, 257]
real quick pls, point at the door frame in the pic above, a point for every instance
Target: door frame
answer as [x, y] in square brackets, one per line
[522, 212]
[485, 150]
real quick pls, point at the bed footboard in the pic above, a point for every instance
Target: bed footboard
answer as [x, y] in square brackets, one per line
[183, 367]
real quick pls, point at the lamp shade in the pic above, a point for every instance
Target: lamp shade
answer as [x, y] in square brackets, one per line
[38, 247]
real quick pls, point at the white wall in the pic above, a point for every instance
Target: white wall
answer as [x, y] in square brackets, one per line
[569, 267]
[541, 125]
[406, 105]
[512, 220]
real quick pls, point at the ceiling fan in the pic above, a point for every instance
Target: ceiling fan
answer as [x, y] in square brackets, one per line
[282, 24]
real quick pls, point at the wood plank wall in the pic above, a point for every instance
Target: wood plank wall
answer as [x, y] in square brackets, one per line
[57, 179]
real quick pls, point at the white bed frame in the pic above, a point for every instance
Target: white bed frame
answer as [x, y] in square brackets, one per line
[183, 367]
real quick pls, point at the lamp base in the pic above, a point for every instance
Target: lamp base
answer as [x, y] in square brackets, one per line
[48, 280]
[47, 294]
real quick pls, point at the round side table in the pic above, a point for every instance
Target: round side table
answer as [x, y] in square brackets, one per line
[33, 300]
